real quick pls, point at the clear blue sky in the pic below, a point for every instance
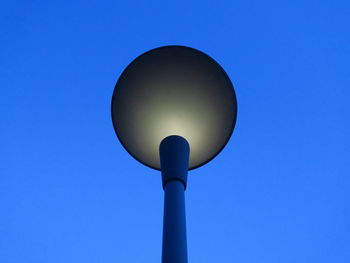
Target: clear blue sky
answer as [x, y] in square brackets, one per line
[278, 193]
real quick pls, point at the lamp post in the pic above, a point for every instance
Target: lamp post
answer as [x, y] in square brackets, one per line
[174, 109]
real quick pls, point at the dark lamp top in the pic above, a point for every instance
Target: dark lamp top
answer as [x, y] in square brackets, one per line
[174, 90]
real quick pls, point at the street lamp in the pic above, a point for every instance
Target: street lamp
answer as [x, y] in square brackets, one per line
[174, 109]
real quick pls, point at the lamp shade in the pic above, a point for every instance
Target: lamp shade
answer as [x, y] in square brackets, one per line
[174, 90]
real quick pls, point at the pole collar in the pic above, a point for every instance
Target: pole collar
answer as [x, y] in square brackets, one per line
[174, 152]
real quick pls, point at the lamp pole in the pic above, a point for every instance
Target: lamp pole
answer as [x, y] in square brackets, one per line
[174, 155]
[167, 102]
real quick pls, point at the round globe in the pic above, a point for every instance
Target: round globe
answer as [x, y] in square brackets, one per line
[174, 90]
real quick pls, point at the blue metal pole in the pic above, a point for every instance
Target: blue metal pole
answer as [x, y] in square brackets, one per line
[174, 155]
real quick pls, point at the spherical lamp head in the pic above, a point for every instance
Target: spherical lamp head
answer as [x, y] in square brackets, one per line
[174, 90]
